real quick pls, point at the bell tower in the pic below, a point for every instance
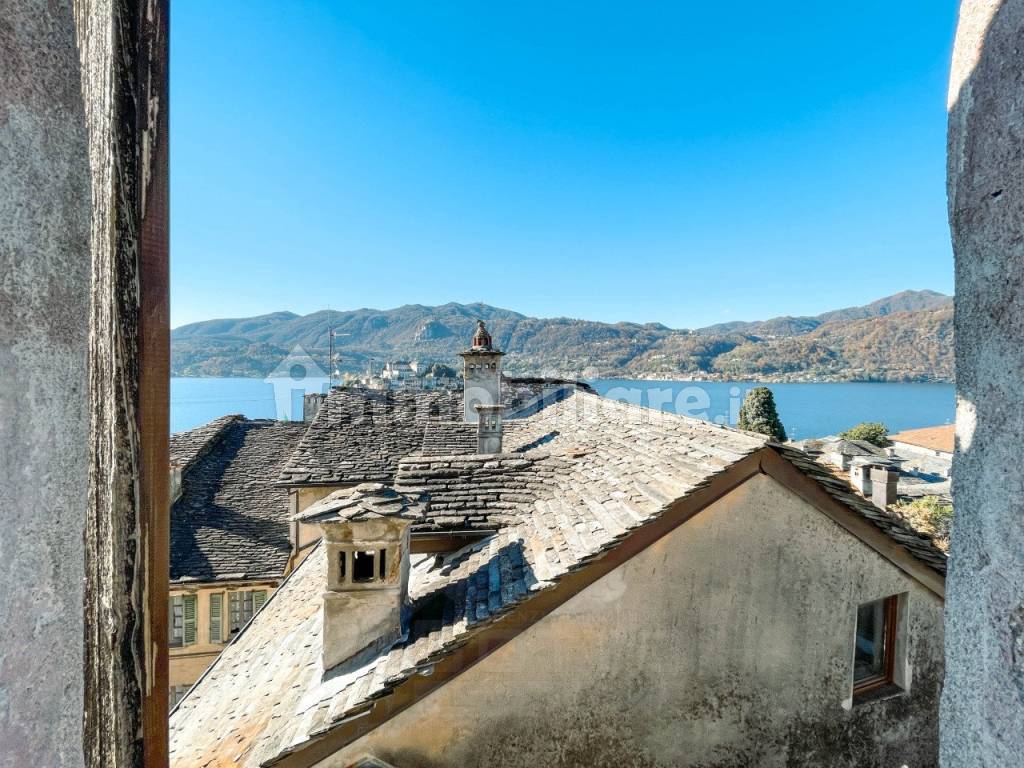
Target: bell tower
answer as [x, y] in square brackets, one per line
[481, 373]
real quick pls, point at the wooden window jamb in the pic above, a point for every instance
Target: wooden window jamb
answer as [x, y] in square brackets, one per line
[887, 676]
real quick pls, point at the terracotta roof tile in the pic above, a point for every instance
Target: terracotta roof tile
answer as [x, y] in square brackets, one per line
[933, 438]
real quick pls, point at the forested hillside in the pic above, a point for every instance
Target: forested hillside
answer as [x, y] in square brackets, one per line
[906, 337]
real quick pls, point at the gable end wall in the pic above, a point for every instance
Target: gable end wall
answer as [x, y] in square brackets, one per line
[726, 643]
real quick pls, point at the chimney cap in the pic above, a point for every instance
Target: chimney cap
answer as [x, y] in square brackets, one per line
[366, 501]
[487, 408]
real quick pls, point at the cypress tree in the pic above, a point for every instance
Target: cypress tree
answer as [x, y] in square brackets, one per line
[758, 414]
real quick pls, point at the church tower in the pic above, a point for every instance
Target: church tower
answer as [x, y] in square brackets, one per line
[481, 374]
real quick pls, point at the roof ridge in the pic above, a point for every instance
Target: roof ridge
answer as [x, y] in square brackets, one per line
[220, 426]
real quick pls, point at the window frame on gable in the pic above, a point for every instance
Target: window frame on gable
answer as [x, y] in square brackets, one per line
[886, 677]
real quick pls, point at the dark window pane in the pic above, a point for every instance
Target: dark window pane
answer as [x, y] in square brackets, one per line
[869, 656]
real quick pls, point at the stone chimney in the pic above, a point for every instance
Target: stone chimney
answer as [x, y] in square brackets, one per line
[860, 478]
[481, 373]
[488, 428]
[883, 486]
[365, 599]
[311, 403]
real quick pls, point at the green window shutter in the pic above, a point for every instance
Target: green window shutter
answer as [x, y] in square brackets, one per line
[217, 617]
[190, 620]
[258, 599]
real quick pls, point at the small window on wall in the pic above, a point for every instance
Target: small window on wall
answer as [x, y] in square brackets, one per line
[177, 693]
[181, 621]
[874, 658]
[241, 607]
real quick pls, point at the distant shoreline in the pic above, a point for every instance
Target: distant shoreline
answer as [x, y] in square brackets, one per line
[808, 409]
[790, 378]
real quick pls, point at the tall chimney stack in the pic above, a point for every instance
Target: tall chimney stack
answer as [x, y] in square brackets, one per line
[883, 486]
[860, 477]
[488, 428]
[481, 373]
[311, 403]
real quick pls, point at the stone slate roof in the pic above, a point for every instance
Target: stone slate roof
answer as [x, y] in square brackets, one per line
[920, 545]
[189, 445]
[366, 501]
[231, 521]
[582, 475]
[359, 435]
[447, 437]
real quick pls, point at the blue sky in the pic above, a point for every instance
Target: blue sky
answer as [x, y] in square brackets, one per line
[685, 163]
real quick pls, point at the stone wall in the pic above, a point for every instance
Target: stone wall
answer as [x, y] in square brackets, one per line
[983, 702]
[44, 387]
[84, 348]
[729, 643]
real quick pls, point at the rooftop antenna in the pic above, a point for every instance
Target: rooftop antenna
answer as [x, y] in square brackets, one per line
[332, 363]
[330, 354]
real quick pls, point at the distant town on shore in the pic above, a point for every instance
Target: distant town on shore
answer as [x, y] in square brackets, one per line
[907, 337]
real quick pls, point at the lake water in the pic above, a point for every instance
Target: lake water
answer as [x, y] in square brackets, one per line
[806, 410]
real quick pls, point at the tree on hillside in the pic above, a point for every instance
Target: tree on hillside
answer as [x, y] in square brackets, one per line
[439, 371]
[873, 432]
[758, 414]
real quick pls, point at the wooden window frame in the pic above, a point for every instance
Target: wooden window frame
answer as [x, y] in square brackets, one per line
[174, 640]
[888, 675]
[123, 54]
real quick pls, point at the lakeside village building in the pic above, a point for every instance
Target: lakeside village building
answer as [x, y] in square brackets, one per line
[444, 580]
[917, 464]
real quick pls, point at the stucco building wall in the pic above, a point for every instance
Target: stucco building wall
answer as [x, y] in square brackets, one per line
[188, 662]
[729, 642]
[983, 705]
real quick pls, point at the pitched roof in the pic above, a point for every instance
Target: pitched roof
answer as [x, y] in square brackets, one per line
[359, 435]
[231, 521]
[933, 438]
[920, 545]
[853, 448]
[187, 446]
[585, 476]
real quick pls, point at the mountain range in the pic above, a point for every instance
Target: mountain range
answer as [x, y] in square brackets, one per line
[904, 337]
